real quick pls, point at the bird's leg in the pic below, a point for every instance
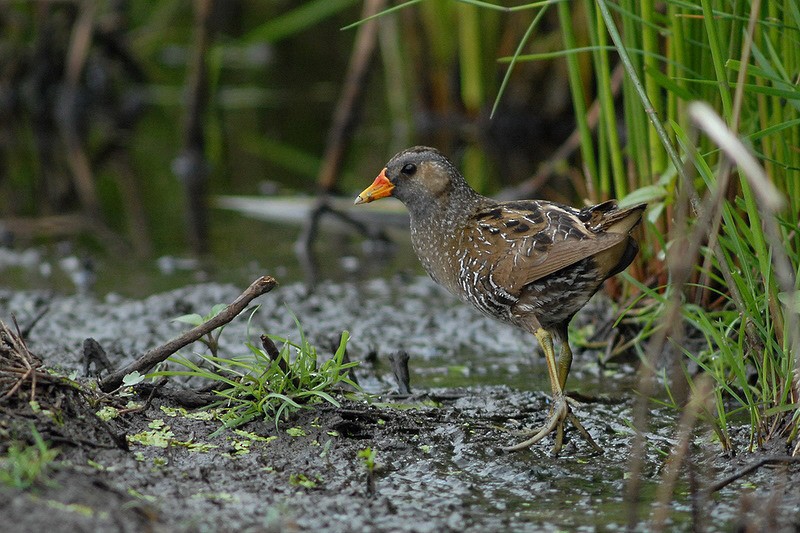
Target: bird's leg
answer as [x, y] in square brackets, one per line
[559, 409]
[558, 370]
[565, 357]
[564, 364]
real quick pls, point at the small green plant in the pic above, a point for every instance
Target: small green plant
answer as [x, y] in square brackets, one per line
[23, 466]
[302, 480]
[367, 455]
[268, 382]
[211, 340]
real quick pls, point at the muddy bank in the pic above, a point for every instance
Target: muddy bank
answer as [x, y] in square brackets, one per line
[438, 463]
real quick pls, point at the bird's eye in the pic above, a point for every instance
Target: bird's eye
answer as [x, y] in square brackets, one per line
[409, 169]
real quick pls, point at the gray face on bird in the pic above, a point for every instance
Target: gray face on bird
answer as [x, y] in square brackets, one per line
[419, 177]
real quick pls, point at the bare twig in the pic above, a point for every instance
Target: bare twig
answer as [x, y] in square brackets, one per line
[25, 331]
[778, 459]
[149, 401]
[151, 358]
[184, 397]
[304, 246]
[77, 158]
[191, 165]
[678, 455]
[399, 362]
[685, 247]
[274, 354]
[93, 352]
[547, 168]
[350, 101]
[16, 359]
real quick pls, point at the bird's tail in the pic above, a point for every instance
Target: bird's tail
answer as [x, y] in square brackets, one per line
[612, 220]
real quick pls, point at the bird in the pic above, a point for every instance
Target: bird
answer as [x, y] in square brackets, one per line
[529, 263]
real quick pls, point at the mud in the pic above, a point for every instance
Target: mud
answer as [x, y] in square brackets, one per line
[439, 464]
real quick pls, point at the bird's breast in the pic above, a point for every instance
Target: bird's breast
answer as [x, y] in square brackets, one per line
[480, 285]
[435, 252]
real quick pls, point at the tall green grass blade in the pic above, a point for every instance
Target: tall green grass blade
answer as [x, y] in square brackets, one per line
[578, 94]
[385, 12]
[534, 23]
[297, 20]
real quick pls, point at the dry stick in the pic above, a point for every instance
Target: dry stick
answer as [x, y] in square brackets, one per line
[304, 246]
[151, 358]
[191, 165]
[275, 355]
[78, 160]
[679, 265]
[19, 382]
[530, 186]
[132, 193]
[339, 135]
[779, 459]
[686, 248]
[146, 405]
[350, 101]
[399, 362]
[62, 226]
[19, 348]
[679, 452]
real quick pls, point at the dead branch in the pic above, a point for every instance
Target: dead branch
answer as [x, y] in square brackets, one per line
[156, 355]
[77, 158]
[350, 101]
[529, 187]
[191, 166]
[17, 360]
[190, 398]
[779, 459]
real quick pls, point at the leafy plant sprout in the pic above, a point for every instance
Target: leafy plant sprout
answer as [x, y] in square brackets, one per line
[269, 382]
[367, 455]
[211, 340]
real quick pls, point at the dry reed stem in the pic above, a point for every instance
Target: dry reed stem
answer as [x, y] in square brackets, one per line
[698, 403]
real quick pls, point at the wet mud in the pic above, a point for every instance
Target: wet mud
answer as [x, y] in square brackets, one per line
[438, 461]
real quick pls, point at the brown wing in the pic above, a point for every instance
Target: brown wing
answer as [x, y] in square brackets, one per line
[522, 242]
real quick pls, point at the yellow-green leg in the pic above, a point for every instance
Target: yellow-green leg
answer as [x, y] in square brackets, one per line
[564, 360]
[557, 370]
[564, 364]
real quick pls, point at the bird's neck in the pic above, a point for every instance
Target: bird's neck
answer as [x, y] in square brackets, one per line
[436, 228]
[445, 215]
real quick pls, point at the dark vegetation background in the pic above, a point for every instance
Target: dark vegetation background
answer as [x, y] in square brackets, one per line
[101, 103]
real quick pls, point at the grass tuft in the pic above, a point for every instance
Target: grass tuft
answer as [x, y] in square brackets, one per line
[268, 382]
[24, 466]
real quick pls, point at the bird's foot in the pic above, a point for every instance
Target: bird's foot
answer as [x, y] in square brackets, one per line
[559, 414]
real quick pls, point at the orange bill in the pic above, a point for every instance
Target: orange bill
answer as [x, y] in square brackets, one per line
[380, 188]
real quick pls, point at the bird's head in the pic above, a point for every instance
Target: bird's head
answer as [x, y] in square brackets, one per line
[417, 177]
